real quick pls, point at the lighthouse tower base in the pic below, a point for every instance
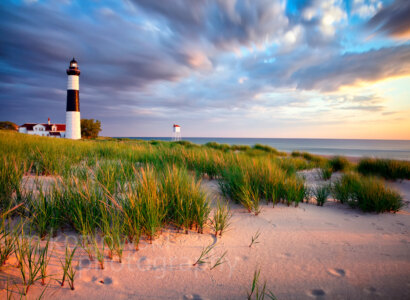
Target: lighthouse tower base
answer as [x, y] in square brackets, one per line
[73, 125]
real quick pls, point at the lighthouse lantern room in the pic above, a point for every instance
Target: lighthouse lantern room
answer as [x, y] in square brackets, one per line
[73, 121]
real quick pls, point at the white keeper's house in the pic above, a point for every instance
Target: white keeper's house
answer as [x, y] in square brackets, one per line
[43, 129]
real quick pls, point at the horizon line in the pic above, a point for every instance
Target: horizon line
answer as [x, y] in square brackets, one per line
[296, 138]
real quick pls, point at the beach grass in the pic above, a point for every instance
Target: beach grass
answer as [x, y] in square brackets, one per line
[386, 168]
[205, 255]
[220, 220]
[321, 194]
[152, 183]
[67, 266]
[259, 291]
[325, 173]
[124, 190]
[368, 193]
[339, 163]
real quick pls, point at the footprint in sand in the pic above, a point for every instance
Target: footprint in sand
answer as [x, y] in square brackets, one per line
[371, 290]
[284, 255]
[193, 297]
[87, 278]
[337, 272]
[316, 293]
[85, 262]
[106, 281]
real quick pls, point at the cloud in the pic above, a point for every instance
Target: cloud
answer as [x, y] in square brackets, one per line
[353, 68]
[366, 8]
[241, 80]
[392, 20]
[148, 63]
[226, 24]
[365, 108]
[325, 15]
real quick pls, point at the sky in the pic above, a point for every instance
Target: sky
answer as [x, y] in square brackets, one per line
[218, 68]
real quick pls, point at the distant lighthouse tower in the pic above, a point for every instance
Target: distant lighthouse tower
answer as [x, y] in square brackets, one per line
[176, 133]
[73, 124]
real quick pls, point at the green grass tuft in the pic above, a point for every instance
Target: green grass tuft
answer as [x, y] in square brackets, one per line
[387, 168]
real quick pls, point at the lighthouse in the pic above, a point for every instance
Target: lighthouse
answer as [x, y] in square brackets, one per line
[73, 124]
[176, 132]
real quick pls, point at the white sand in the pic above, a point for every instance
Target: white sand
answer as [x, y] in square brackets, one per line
[330, 252]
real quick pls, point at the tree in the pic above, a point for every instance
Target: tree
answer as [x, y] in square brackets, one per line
[90, 128]
[8, 125]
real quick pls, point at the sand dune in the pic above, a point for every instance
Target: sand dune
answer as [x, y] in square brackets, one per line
[330, 252]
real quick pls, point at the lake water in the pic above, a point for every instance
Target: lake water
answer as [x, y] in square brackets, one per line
[394, 149]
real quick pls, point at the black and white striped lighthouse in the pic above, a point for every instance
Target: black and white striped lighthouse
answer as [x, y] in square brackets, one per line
[73, 123]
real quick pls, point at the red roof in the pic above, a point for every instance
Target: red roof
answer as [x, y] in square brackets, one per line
[175, 125]
[29, 126]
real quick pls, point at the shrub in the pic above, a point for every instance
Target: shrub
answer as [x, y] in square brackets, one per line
[387, 168]
[90, 128]
[7, 125]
